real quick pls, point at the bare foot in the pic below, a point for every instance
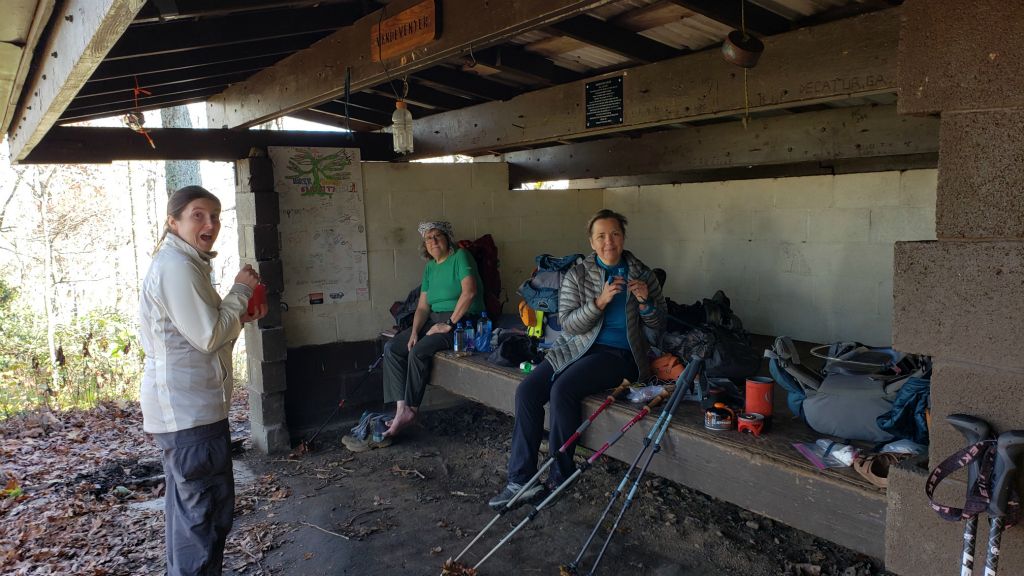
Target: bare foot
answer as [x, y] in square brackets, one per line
[401, 421]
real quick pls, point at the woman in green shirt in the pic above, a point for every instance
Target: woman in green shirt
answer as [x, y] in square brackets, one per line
[450, 293]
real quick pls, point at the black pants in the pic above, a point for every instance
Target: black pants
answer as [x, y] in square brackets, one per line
[601, 368]
[199, 499]
[406, 373]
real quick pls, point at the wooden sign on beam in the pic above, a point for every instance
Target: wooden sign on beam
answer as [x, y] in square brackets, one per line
[411, 28]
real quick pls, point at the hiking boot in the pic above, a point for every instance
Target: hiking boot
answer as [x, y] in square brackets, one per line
[535, 493]
[356, 444]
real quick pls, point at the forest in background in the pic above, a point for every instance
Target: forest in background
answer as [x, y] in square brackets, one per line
[75, 243]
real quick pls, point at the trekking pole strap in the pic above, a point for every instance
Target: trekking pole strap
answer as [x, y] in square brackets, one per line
[978, 494]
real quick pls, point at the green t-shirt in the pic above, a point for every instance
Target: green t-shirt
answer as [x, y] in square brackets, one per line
[443, 282]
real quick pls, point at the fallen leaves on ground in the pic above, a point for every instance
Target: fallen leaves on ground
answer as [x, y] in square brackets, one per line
[69, 480]
[453, 568]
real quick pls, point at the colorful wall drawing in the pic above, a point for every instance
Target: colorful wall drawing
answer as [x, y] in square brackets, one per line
[323, 226]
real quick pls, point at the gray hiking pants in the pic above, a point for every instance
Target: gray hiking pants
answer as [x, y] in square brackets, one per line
[406, 373]
[200, 498]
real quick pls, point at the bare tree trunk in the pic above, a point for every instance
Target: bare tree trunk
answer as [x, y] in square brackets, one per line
[49, 301]
[135, 241]
[179, 173]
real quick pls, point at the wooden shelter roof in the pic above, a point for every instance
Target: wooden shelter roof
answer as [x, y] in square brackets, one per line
[254, 60]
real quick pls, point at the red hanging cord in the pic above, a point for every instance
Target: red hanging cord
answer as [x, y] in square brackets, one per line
[135, 119]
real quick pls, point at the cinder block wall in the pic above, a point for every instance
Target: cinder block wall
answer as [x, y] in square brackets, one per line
[807, 257]
[960, 298]
[476, 199]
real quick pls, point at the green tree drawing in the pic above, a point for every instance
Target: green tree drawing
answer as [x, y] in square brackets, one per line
[306, 162]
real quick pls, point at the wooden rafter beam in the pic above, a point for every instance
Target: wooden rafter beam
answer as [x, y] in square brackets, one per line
[519, 61]
[338, 121]
[837, 61]
[81, 34]
[222, 55]
[758, 19]
[164, 78]
[597, 32]
[103, 145]
[183, 35]
[824, 136]
[123, 106]
[464, 83]
[191, 9]
[126, 94]
[316, 74]
[425, 97]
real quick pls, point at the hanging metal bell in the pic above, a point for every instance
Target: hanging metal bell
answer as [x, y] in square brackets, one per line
[742, 49]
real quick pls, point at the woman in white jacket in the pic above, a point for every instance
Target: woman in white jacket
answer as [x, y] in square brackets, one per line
[187, 333]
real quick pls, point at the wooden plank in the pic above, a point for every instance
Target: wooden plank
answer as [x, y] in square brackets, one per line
[837, 61]
[88, 145]
[764, 474]
[44, 8]
[816, 168]
[318, 73]
[81, 33]
[596, 32]
[210, 32]
[758, 19]
[409, 29]
[810, 137]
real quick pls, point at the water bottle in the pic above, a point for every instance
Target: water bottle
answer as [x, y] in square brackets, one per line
[483, 333]
[470, 337]
[460, 338]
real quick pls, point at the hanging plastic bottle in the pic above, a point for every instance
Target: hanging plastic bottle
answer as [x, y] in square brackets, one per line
[483, 333]
[401, 128]
[470, 334]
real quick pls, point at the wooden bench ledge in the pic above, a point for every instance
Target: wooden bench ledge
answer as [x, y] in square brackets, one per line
[765, 475]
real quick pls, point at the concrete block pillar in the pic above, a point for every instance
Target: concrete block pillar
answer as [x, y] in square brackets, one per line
[960, 299]
[259, 245]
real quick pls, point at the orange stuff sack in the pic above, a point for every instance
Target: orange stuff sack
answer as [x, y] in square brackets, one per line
[667, 367]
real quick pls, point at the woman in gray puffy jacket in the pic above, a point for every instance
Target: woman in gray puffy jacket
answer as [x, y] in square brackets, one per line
[604, 305]
[188, 332]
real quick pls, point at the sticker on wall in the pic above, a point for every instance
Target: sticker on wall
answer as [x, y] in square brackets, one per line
[316, 298]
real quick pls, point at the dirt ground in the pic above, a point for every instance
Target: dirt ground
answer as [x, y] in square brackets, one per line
[401, 510]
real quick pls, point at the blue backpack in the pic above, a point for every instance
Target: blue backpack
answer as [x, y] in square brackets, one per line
[541, 290]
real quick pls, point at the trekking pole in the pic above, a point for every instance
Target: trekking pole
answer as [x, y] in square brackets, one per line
[670, 409]
[682, 384]
[547, 502]
[307, 444]
[1009, 449]
[974, 430]
[536, 477]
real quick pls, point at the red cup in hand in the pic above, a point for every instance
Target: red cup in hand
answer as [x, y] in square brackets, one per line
[259, 298]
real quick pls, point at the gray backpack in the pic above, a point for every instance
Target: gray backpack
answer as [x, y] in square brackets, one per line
[857, 385]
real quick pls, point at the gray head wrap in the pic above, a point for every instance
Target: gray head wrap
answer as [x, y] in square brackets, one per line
[441, 225]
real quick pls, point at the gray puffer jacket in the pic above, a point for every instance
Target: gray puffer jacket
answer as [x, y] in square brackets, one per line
[582, 320]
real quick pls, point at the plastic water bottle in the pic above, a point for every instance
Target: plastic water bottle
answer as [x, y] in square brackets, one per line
[483, 333]
[460, 338]
[470, 337]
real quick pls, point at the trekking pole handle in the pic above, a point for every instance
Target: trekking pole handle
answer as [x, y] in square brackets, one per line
[586, 423]
[975, 430]
[1009, 449]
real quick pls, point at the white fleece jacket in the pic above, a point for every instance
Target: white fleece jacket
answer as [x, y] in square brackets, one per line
[187, 333]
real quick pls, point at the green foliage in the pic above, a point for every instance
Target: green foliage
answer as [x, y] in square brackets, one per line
[98, 358]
